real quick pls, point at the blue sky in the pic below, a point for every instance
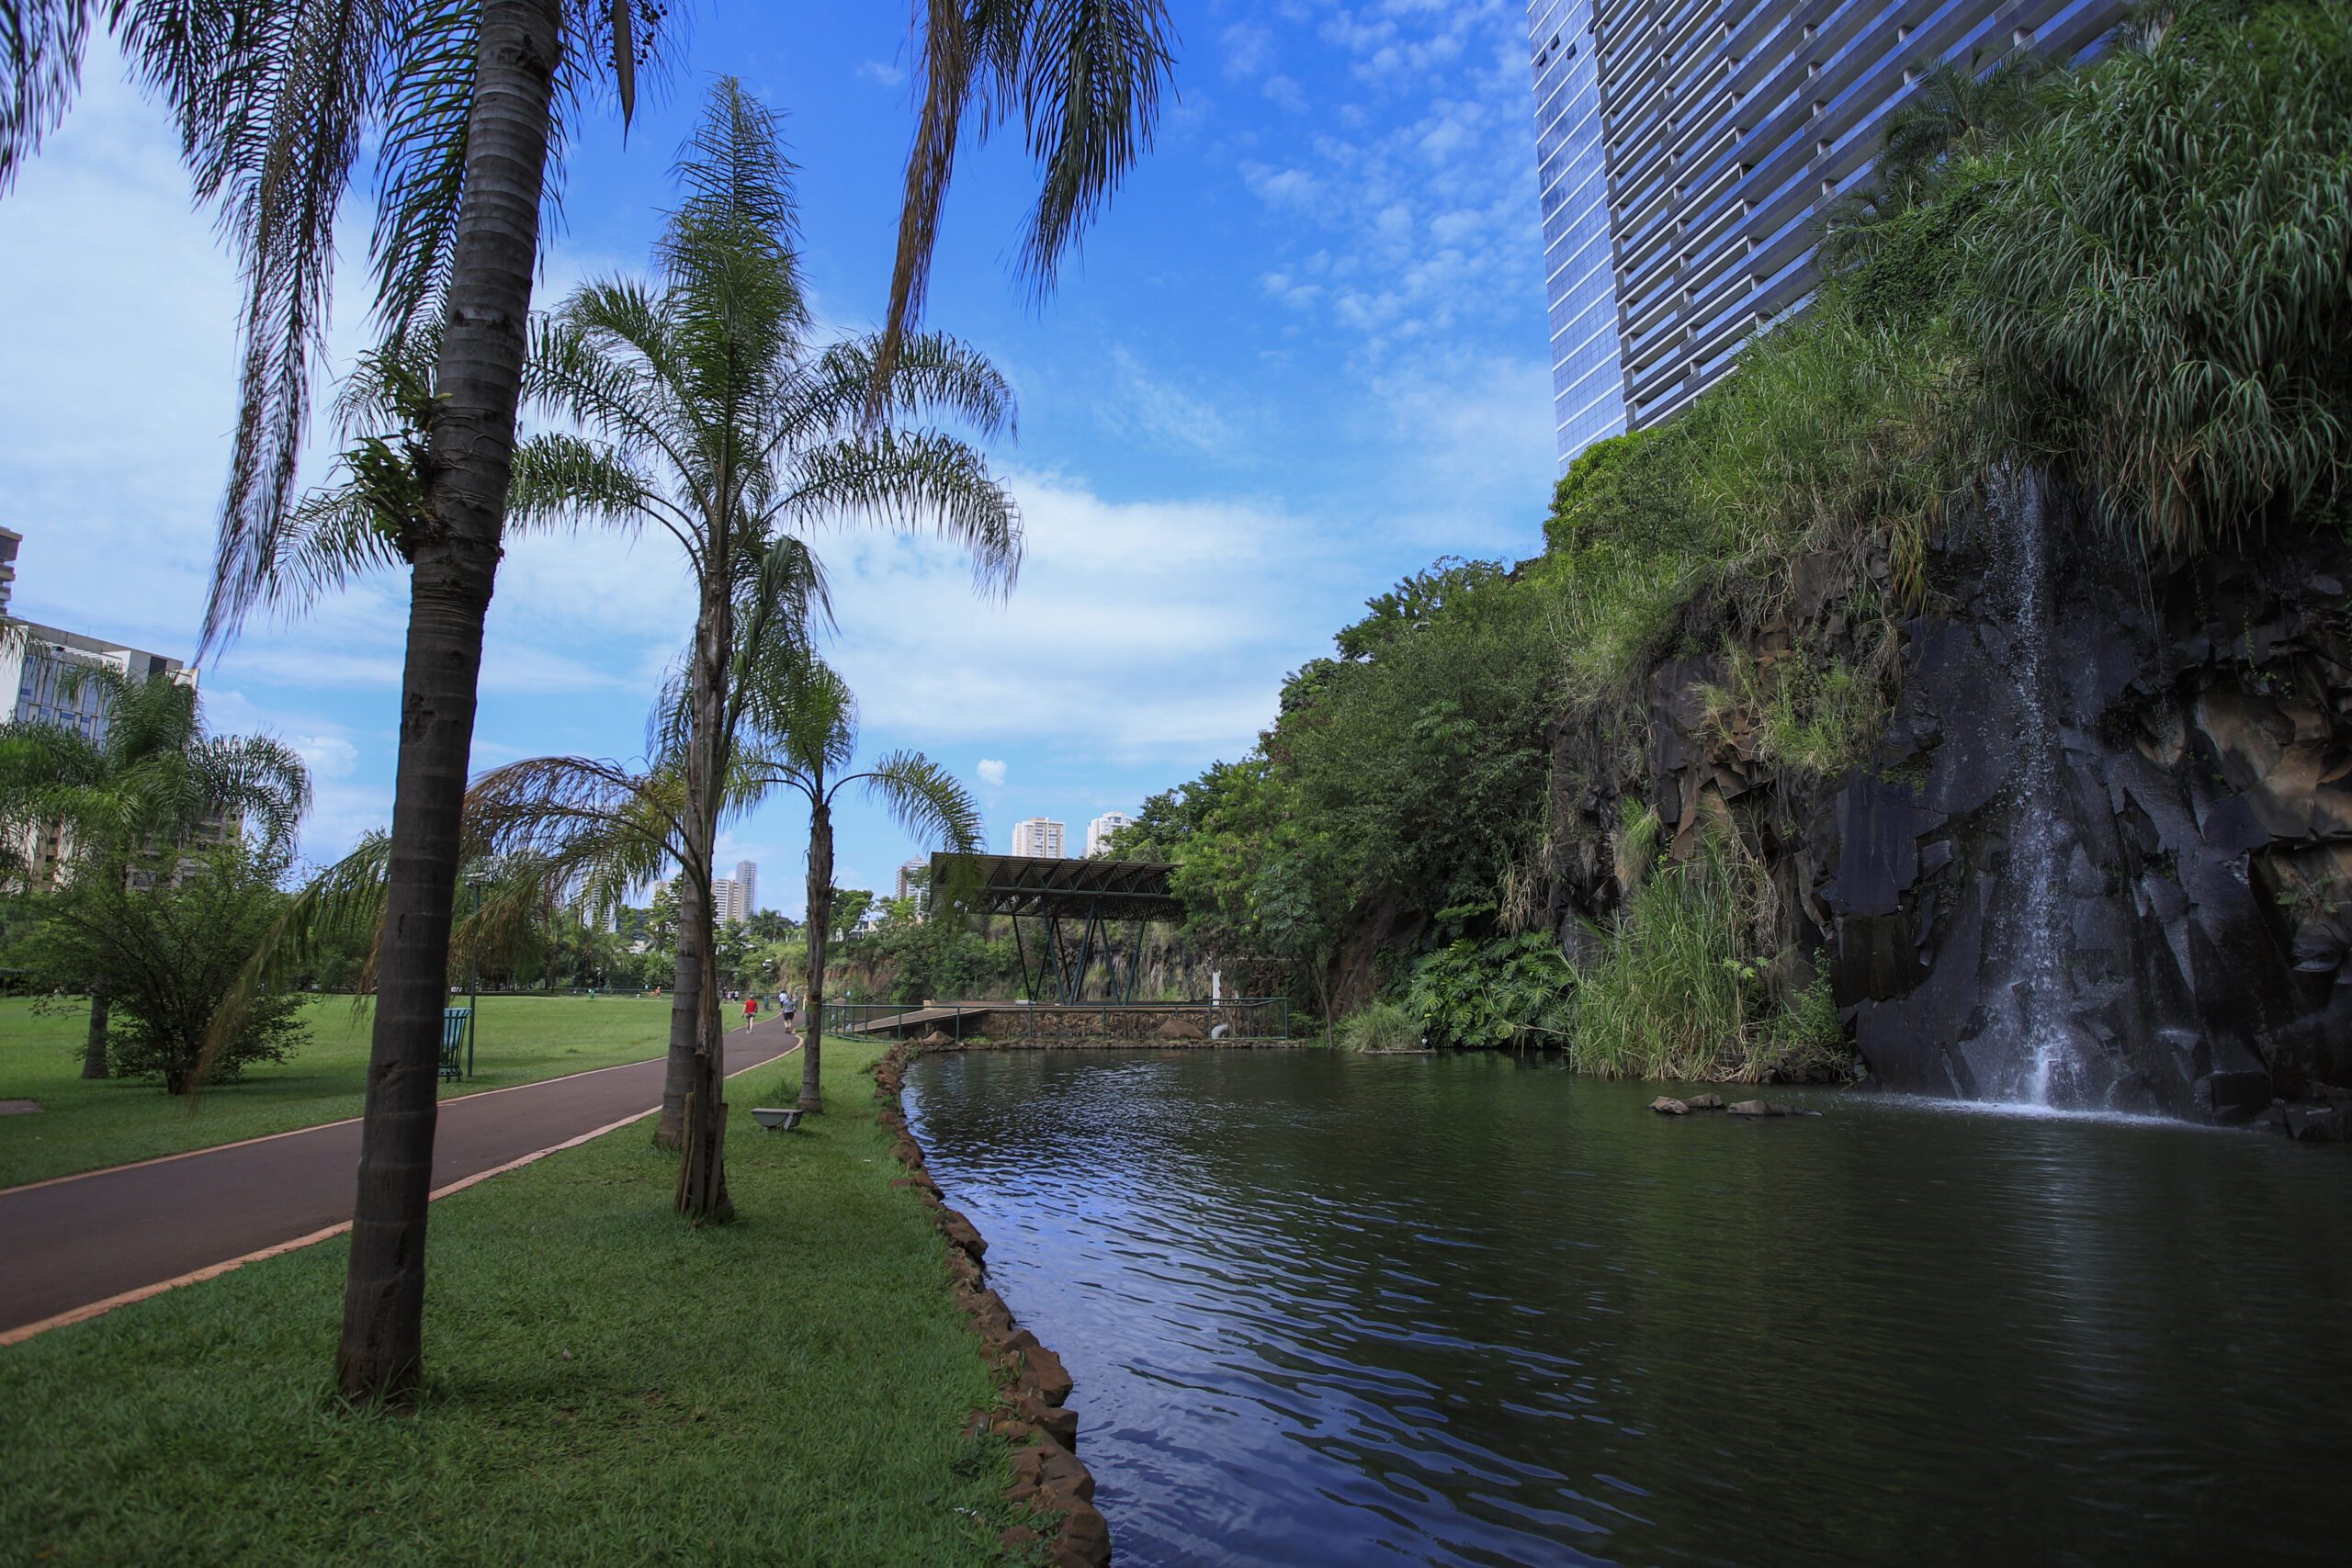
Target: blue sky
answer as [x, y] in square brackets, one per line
[1302, 356]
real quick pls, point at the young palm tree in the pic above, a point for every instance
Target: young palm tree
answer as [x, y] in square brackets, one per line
[152, 778]
[808, 725]
[710, 415]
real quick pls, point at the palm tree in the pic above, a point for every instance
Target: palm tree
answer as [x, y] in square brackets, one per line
[149, 779]
[808, 722]
[463, 100]
[711, 416]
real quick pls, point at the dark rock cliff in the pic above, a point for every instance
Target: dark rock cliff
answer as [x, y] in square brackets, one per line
[2101, 853]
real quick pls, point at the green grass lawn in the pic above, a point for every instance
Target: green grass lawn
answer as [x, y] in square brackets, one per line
[85, 1125]
[608, 1385]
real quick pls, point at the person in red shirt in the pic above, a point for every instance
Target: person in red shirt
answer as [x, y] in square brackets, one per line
[750, 1008]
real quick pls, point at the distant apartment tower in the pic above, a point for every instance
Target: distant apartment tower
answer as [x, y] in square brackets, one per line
[914, 879]
[1099, 832]
[747, 877]
[727, 905]
[1693, 143]
[1039, 837]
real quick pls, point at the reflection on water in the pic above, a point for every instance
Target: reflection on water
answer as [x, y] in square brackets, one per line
[1329, 1310]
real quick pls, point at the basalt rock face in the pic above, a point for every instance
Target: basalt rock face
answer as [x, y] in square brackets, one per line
[2106, 837]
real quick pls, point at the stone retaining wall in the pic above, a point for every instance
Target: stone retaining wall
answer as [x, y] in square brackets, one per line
[1033, 1411]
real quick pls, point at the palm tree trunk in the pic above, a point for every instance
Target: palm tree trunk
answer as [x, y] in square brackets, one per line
[476, 386]
[821, 919]
[94, 1053]
[702, 1170]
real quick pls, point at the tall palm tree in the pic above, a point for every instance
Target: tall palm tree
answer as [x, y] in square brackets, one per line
[151, 778]
[462, 101]
[807, 723]
[711, 416]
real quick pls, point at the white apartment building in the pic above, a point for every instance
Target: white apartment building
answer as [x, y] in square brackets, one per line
[914, 879]
[1099, 832]
[37, 664]
[747, 877]
[1039, 837]
[727, 906]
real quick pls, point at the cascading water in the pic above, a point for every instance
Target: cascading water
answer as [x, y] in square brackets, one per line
[2050, 1070]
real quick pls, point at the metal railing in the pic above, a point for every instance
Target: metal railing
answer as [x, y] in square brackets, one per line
[1241, 1018]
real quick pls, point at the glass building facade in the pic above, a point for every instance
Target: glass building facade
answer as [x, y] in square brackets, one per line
[1588, 386]
[1718, 133]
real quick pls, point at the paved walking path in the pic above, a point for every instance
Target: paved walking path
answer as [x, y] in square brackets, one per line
[93, 1240]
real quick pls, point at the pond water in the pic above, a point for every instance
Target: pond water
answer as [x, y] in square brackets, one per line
[1325, 1309]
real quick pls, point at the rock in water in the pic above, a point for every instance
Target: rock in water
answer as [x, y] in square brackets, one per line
[1704, 1101]
[1666, 1106]
[1768, 1108]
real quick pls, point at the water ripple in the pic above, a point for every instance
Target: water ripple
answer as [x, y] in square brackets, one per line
[1323, 1310]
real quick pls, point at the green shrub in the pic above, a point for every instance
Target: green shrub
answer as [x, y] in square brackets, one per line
[1383, 1026]
[169, 943]
[1804, 1041]
[1507, 991]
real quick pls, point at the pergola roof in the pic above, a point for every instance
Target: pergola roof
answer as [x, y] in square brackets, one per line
[1017, 885]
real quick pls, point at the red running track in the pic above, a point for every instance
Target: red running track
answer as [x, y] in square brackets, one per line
[76, 1245]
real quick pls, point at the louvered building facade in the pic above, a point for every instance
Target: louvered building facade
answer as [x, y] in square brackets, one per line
[1704, 139]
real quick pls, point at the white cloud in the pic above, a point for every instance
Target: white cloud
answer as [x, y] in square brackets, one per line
[327, 756]
[1140, 630]
[887, 73]
[1151, 407]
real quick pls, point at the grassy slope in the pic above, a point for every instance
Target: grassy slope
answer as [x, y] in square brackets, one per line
[789, 1388]
[85, 1126]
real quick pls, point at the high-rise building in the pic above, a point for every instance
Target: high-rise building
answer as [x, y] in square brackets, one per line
[747, 876]
[1099, 832]
[1702, 139]
[914, 879]
[1581, 278]
[1039, 837]
[726, 906]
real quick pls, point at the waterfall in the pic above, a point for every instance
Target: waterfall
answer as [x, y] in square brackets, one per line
[2049, 1069]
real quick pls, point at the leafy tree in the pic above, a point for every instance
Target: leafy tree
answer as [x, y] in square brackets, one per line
[172, 939]
[849, 906]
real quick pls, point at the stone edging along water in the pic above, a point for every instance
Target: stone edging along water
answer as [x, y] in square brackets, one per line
[1034, 1414]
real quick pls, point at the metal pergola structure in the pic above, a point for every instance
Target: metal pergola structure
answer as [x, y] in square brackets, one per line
[1092, 893]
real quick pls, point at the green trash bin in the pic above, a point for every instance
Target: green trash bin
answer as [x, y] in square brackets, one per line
[453, 1038]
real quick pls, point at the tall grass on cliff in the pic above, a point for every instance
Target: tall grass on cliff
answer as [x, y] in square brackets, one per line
[1829, 429]
[2158, 276]
[1675, 994]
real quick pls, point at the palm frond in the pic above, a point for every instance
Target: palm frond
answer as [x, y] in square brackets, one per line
[925, 799]
[914, 479]
[41, 45]
[1086, 78]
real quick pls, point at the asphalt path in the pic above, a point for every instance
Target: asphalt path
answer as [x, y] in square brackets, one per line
[81, 1241]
